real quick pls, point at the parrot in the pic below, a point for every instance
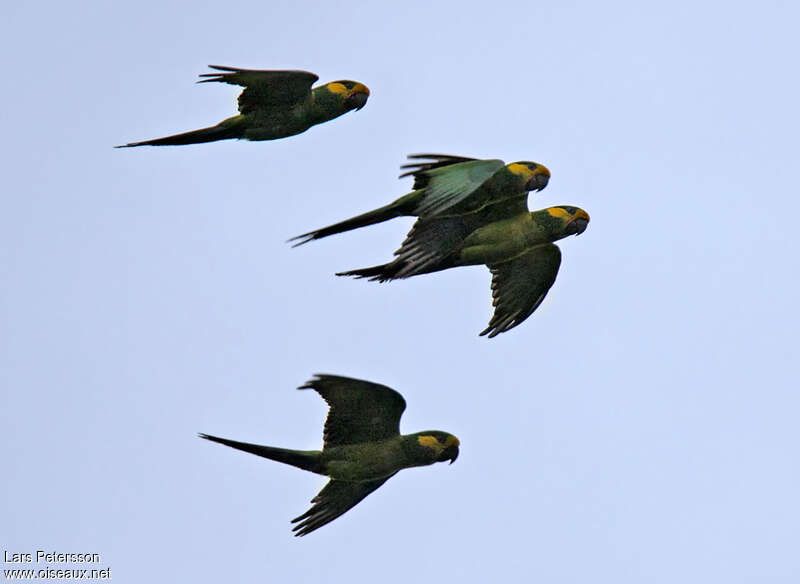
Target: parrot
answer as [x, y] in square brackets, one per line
[362, 446]
[273, 104]
[475, 212]
[448, 184]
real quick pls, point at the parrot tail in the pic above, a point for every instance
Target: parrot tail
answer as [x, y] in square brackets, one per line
[402, 268]
[403, 206]
[307, 460]
[225, 130]
[382, 273]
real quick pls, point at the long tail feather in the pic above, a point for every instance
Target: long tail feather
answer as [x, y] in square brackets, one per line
[399, 269]
[212, 134]
[307, 460]
[382, 273]
[399, 208]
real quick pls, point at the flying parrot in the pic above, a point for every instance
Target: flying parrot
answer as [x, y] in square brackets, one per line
[362, 446]
[472, 212]
[273, 104]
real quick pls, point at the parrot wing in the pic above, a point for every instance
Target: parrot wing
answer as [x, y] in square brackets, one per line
[265, 89]
[360, 411]
[335, 498]
[448, 180]
[520, 284]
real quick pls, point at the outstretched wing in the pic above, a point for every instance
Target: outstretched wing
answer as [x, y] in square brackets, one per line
[265, 89]
[360, 411]
[421, 163]
[431, 242]
[333, 500]
[519, 285]
[448, 180]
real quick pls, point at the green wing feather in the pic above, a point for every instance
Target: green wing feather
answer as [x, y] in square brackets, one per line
[519, 285]
[360, 411]
[431, 242]
[424, 162]
[334, 500]
[265, 89]
[448, 183]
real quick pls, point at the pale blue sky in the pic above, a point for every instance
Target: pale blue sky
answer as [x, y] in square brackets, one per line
[640, 427]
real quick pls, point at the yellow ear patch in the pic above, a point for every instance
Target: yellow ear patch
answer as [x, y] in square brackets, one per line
[337, 88]
[559, 213]
[430, 442]
[433, 443]
[520, 170]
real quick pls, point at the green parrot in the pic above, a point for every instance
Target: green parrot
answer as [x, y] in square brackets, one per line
[273, 104]
[362, 446]
[445, 184]
[465, 218]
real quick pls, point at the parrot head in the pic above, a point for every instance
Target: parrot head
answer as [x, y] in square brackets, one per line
[355, 94]
[562, 221]
[442, 445]
[577, 221]
[535, 175]
[350, 95]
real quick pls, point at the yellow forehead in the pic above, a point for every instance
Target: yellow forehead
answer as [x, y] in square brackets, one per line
[360, 88]
[341, 88]
[524, 170]
[581, 214]
[451, 441]
[559, 213]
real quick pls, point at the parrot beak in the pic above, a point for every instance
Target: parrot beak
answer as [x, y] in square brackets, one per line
[578, 225]
[537, 182]
[450, 454]
[357, 100]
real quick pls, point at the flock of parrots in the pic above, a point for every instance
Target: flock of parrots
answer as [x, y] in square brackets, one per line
[468, 212]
